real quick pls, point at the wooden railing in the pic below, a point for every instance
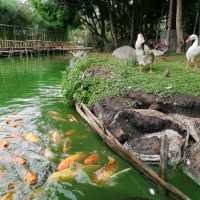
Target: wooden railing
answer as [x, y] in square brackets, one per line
[34, 44]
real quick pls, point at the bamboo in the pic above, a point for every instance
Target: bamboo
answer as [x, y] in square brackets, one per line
[114, 144]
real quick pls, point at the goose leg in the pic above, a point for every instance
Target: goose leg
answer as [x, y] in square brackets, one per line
[140, 68]
[150, 66]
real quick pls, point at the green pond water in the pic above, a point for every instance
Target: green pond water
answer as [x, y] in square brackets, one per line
[29, 91]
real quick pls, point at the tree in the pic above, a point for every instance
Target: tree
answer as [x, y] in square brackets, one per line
[169, 21]
[179, 26]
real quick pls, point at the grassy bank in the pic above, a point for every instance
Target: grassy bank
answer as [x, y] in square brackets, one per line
[79, 86]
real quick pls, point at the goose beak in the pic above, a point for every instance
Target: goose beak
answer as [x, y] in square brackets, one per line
[188, 40]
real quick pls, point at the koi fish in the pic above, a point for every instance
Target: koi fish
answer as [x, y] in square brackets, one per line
[17, 125]
[48, 154]
[8, 196]
[4, 144]
[31, 178]
[69, 161]
[70, 132]
[54, 113]
[19, 160]
[64, 175]
[8, 120]
[59, 118]
[72, 172]
[32, 137]
[72, 118]
[106, 172]
[56, 137]
[67, 145]
[91, 159]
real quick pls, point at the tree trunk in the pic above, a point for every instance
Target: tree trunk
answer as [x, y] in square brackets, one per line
[132, 25]
[179, 26]
[114, 38]
[169, 22]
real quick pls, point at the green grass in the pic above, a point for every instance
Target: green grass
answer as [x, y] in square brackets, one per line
[126, 77]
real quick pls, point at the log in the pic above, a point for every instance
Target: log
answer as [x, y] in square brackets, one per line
[109, 139]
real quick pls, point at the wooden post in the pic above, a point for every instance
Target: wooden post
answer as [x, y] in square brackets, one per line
[163, 156]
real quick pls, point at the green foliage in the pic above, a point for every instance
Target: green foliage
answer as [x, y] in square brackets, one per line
[125, 77]
[56, 14]
[13, 12]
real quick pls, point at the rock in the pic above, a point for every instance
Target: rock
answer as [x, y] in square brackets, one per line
[106, 109]
[191, 124]
[125, 53]
[137, 122]
[192, 162]
[142, 100]
[148, 146]
[181, 104]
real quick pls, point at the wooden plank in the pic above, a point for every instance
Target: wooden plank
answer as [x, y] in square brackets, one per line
[114, 144]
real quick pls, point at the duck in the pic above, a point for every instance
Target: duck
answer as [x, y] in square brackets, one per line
[144, 55]
[78, 54]
[193, 51]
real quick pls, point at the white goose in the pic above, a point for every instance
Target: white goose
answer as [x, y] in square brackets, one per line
[144, 54]
[193, 52]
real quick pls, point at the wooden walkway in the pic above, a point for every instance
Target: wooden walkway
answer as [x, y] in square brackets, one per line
[29, 47]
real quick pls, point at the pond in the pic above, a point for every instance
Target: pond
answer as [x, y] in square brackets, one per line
[31, 110]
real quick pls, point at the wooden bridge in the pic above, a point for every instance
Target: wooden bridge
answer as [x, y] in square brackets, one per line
[15, 40]
[30, 47]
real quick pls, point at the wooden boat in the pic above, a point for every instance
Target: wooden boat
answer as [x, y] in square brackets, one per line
[116, 146]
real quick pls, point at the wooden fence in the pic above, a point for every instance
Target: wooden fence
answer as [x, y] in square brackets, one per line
[10, 32]
[17, 47]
